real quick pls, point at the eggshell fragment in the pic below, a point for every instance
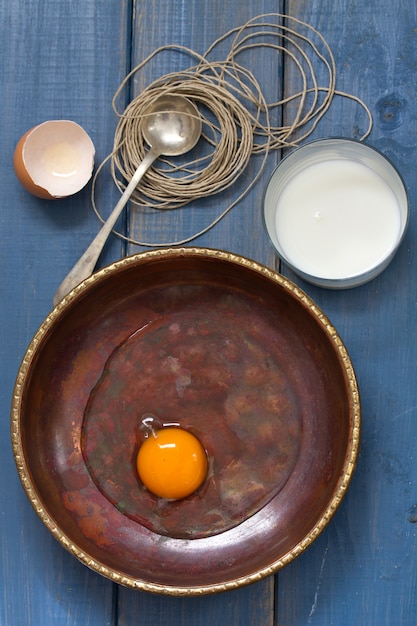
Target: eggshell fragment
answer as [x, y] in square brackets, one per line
[54, 159]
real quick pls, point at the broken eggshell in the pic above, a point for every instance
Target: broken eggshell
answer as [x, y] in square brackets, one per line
[54, 159]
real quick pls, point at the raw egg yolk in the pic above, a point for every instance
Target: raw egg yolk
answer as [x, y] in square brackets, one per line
[172, 463]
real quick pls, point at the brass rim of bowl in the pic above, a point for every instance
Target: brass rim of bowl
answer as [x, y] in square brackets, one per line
[134, 583]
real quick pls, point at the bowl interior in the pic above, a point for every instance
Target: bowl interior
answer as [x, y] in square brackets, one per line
[65, 361]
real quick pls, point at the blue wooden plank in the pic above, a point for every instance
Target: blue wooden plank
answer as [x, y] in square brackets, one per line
[66, 60]
[59, 60]
[197, 24]
[362, 569]
[249, 605]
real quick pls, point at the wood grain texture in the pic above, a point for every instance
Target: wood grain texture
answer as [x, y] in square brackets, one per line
[362, 569]
[65, 60]
[248, 605]
[197, 24]
[58, 60]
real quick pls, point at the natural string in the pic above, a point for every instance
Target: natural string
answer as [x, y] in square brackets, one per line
[237, 119]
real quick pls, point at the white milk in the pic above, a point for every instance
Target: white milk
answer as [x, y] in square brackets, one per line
[336, 219]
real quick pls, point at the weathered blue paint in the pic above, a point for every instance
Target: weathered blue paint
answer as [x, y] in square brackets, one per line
[65, 60]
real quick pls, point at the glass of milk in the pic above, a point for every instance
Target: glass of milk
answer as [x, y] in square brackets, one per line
[336, 211]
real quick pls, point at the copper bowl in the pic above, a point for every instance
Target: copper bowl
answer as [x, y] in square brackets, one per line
[62, 365]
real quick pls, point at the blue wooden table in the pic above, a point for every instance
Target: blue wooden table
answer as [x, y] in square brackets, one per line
[62, 59]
